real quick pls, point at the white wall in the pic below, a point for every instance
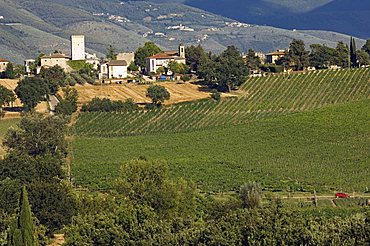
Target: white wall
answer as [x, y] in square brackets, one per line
[118, 72]
[78, 47]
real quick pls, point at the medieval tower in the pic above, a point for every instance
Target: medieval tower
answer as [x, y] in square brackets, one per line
[78, 47]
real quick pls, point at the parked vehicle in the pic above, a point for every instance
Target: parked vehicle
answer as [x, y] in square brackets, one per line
[342, 195]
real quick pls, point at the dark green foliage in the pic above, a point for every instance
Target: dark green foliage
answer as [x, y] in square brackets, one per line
[253, 62]
[194, 56]
[70, 80]
[133, 67]
[78, 78]
[54, 77]
[207, 69]
[106, 105]
[366, 47]
[9, 72]
[38, 135]
[147, 183]
[272, 68]
[53, 202]
[6, 96]
[10, 193]
[231, 70]
[158, 94]
[111, 53]
[178, 68]
[31, 91]
[353, 53]
[36, 153]
[321, 56]
[147, 50]
[342, 55]
[216, 95]
[68, 104]
[297, 56]
[22, 231]
[363, 58]
[185, 78]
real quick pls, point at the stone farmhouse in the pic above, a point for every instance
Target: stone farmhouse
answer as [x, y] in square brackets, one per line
[52, 60]
[3, 64]
[274, 56]
[162, 59]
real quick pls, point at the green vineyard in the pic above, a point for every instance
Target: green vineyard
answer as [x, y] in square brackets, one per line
[258, 98]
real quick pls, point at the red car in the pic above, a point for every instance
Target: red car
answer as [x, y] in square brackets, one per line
[342, 195]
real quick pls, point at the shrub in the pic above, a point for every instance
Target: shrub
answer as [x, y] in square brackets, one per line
[216, 95]
[250, 195]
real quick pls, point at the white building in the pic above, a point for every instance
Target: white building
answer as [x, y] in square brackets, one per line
[162, 59]
[115, 69]
[93, 60]
[78, 47]
[27, 65]
[3, 64]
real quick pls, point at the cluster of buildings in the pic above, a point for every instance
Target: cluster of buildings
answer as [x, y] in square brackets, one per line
[108, 69]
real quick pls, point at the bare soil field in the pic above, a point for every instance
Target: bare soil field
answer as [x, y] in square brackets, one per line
[180, 92]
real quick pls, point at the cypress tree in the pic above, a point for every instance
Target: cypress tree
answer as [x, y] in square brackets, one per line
[353, 53]
[22, 231]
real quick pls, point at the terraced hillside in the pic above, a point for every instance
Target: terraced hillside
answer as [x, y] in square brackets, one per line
[258, 98]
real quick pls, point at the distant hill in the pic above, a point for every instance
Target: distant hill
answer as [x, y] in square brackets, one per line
[29, 27]
[345, 16]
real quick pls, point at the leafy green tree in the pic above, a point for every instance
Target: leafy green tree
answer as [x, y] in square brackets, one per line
[366, 47]
[231, 70]
[6, 97]
[147, 50]
[111, 55]
[253, 62]
[342, 55]
[31, 91]
[22, 231]
[363, 58]
[194, 56]
[178, 68]
[133, 67]
[161, 70]
[147, 183]
[321, 56]
[55, 77]
[158, 94]
[207, 69]
[38, 135]
[185, 78]
[297, 55]
[9, 72]
[68, 104]
[250, 195]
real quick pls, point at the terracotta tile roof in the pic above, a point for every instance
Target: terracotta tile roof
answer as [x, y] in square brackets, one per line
[55, 56]
[117, 63]
[3, 60]
[276, 53]
[166, 55]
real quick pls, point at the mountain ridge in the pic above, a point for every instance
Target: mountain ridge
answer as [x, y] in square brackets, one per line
[31, 27]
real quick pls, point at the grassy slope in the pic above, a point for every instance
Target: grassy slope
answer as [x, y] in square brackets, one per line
[325, 149]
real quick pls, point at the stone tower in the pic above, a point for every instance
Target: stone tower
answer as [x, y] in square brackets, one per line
[78, 47]
[182, 51]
